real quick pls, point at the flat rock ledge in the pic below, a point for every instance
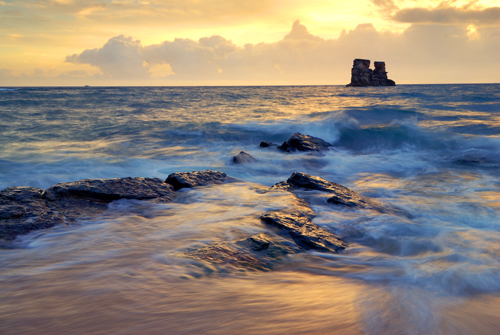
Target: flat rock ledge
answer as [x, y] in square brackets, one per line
[341, 194]
[196, 178]
[26, 209]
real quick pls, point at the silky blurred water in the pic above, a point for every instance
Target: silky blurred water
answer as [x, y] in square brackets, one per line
[433, 150]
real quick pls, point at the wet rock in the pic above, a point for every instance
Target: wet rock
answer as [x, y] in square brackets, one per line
[299, 142]
[362, 75]
[196, 178]
[107, 190]
[262, 252]
[284, 186]
[23, 210]
[342, 195]
[305, 233]
[243, 158]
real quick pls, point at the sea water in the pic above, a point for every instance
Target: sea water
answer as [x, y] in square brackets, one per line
[432, 150]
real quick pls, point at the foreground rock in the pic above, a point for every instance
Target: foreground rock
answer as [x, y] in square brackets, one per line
[300, 142]
[107, 190]
[362, 75]
[25, 209]
[306, 234]
[243, 158]
[260, 252]
[22, 210]
[196, 178]
[342, 195]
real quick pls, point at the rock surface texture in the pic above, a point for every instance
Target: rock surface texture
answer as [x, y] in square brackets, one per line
[362, 75]
[306, 234]
[196, 178]
[243, 158]
[25, 209]
[341, 194]
[299, 142]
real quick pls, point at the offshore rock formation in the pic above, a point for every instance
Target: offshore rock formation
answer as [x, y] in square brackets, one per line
[362, 75]
[299, 142]
[196, 178]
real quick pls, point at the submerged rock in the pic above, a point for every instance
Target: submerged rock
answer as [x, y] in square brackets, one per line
[260, 252]
[107, 190]
[300, 142]
[243, 158]
[305, 233]
[265, 144]
[342, 195]
[196, 178]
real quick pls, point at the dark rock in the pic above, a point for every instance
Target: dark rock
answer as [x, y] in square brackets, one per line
[342, 195]
[243, 158]
[262, 252]
[25, 209]
[107, 190]
[305, 233]
[284, 186]
[299, 142]
[196, 178]
[362, 75]
[265, 144]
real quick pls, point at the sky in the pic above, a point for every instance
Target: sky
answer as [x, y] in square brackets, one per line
[242, 42]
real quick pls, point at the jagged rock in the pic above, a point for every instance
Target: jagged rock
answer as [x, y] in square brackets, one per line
[260, 252]
[196, 178]
[107, 190]
[342, 195]
[299, 142]
[362, 75]
[243, 158]
[266, 144]
[305, 233]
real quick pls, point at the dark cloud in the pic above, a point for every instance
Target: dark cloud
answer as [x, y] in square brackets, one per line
[449, 15]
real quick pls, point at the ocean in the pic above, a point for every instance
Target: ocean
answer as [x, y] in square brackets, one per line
[431, 150]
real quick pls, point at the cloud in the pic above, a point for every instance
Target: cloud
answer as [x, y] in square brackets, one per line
[386, 6]
[449, 15]
[120, 57]
[422, 54]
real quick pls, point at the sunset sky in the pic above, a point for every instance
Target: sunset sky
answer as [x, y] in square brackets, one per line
[239, 42]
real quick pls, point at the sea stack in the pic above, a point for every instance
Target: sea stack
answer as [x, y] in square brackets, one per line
[362, 75]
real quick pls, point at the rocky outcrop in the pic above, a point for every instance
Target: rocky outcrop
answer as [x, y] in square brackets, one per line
[107, 190]
[362, 75]
[306, 234]
[25, 209]
[341, 194]
[261, 252]
[196, 178]
[299, 142]
[243, 158]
